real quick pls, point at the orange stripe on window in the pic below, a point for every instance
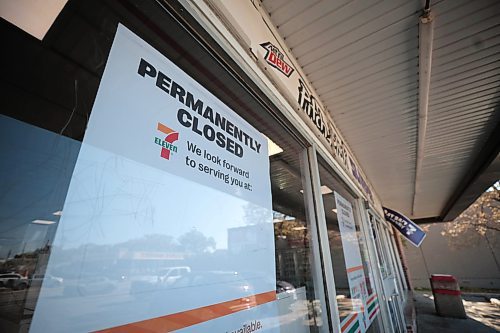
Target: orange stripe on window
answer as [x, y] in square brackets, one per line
[188, 318]
[352, 269]
[371, 298]
[354, 316]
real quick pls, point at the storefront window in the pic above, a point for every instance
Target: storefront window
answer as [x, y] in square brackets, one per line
[95, 235]
[356, 297]
[299, 302]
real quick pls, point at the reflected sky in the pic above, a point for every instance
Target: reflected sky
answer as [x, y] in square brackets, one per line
[114, 199]
[121, 219]
[121, 223]
[123, 216]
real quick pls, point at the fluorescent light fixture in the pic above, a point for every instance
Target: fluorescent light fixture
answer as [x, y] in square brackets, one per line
[273, 147]
[43, 222]
[425, 50]
[58, 213]
[325, 190]
[33, 16]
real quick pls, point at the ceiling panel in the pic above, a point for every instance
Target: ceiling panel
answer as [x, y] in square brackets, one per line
[362, 57]
[463, 102]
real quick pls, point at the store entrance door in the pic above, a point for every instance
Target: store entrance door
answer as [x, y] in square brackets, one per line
[388, 273]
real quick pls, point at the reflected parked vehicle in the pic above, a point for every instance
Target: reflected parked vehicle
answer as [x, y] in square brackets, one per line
[14, 281]
[165, 278]
[89, 285]
[169, 275]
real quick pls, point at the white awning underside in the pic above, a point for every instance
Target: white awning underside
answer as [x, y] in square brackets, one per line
[362, 57]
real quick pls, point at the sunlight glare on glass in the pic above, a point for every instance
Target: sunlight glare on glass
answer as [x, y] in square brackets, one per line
[43, 222]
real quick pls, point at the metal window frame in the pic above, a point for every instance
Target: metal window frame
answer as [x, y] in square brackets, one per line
[309, 179]
[374, 260]
[323, 243]
[399, 296]
[399, 267]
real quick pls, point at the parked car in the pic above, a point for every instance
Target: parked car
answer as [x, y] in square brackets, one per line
[14, 281]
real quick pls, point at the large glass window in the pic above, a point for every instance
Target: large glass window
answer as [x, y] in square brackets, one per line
[92, 238]
[300, 300]
[356, 296]
[373, 302]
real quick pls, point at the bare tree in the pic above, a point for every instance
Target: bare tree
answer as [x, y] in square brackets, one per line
[479, 223]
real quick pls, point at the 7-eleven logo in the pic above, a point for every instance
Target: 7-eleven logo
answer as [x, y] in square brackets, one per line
[167, 144]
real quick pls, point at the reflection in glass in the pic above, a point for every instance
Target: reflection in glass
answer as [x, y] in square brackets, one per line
[34, 175]
[357, 300]
[130, 239]
[133, 237]
[299, 306]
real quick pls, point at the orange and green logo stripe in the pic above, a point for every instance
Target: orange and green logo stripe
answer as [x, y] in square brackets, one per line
[373, 306]
[350, 324]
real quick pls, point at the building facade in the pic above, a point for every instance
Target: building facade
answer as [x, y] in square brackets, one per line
[167, 166]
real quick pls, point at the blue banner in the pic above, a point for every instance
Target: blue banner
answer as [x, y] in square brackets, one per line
[411, 231]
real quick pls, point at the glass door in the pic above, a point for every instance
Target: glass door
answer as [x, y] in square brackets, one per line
[392, 289]
[356, 301]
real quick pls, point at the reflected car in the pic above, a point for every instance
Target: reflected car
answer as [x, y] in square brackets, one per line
[14, 281]
[165, 278]
[89, 285]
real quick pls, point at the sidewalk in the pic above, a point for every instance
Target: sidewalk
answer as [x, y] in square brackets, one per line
[483, 317]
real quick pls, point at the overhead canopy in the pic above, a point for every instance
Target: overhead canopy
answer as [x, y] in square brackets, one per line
[363, 59]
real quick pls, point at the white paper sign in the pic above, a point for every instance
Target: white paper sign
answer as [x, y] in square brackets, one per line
[167, 175]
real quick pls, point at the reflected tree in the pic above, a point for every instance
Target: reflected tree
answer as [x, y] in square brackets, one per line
[255, 214]
[152, 242]
[195, 242]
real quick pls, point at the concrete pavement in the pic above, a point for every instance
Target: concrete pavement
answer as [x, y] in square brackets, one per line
[483, 317]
